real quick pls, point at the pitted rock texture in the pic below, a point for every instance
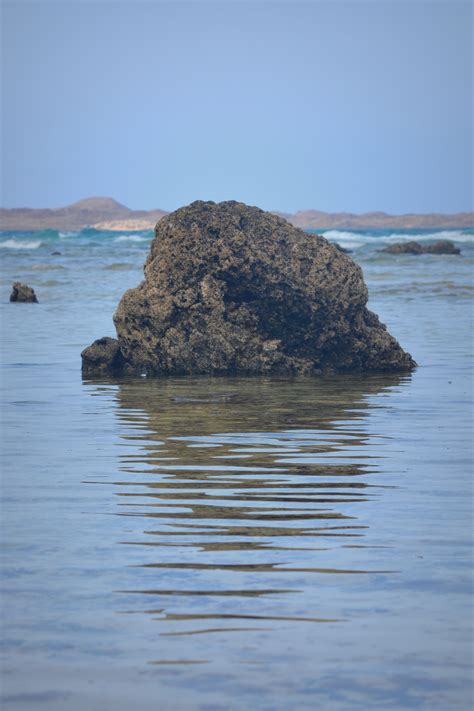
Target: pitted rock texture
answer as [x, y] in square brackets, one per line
[24, 293]
[231, 289]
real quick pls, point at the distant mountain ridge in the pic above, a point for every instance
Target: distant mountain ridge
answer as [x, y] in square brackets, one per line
[85, 213]
[108, 214]
[315, 219]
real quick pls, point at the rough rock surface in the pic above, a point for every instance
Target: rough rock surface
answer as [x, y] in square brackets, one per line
[232, 289]
[102, 357]
[444, 246]
[22, 292]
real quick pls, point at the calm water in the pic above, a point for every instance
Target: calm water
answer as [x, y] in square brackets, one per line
[233, 543]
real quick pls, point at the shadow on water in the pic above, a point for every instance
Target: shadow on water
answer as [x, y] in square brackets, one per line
[238, 485]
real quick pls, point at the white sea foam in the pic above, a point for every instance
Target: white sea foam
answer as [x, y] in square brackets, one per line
[20, 244]
[349, 240]
[339, 235]
[64, 235]
[131, 238]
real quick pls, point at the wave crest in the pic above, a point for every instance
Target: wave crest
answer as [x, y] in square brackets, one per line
[20, 244]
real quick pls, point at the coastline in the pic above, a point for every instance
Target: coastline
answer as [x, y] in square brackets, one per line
[125, 225]
[110, 215]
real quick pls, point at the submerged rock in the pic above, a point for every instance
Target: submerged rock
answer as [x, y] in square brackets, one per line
[444, 246]
[102, 357]
[232, 289]
[24, 293]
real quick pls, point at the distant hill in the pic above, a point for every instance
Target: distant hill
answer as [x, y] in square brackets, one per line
[108, 214]
[85, 213]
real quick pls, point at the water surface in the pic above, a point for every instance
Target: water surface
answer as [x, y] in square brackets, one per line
[233, 543]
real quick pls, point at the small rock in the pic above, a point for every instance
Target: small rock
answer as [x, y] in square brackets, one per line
[102, 357]
[404, 248]
[442, 247]
[24, 293]
[54, 254]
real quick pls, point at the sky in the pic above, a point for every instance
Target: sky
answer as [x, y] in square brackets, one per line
[332, 105]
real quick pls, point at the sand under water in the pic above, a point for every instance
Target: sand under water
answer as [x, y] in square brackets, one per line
[234, 543]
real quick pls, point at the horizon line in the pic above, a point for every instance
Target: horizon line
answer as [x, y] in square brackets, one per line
[273, 210]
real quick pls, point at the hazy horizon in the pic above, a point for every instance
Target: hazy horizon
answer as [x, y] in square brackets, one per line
[335, 106]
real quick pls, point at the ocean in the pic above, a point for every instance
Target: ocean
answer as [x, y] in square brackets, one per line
[234, 543]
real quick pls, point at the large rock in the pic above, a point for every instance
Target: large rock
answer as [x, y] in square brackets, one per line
[232, 289]
[24, 293]
[444, 246]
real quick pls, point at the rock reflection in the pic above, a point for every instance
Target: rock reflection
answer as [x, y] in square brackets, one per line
[236, 480]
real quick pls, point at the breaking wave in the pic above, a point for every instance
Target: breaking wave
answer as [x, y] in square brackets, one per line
[349, 240]
[20, 244]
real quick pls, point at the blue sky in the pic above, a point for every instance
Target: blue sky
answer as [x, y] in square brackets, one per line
[338, 106]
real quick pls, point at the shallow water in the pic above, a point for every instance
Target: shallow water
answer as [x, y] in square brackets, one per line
[200, 543]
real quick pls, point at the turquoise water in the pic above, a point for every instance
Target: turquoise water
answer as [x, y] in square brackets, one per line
[234, 543]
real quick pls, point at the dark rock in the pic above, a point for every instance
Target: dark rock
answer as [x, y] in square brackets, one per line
[232, 289]
[404, 248]
[102, 357]
[24, 293]
[442, 247]
[54, 254]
